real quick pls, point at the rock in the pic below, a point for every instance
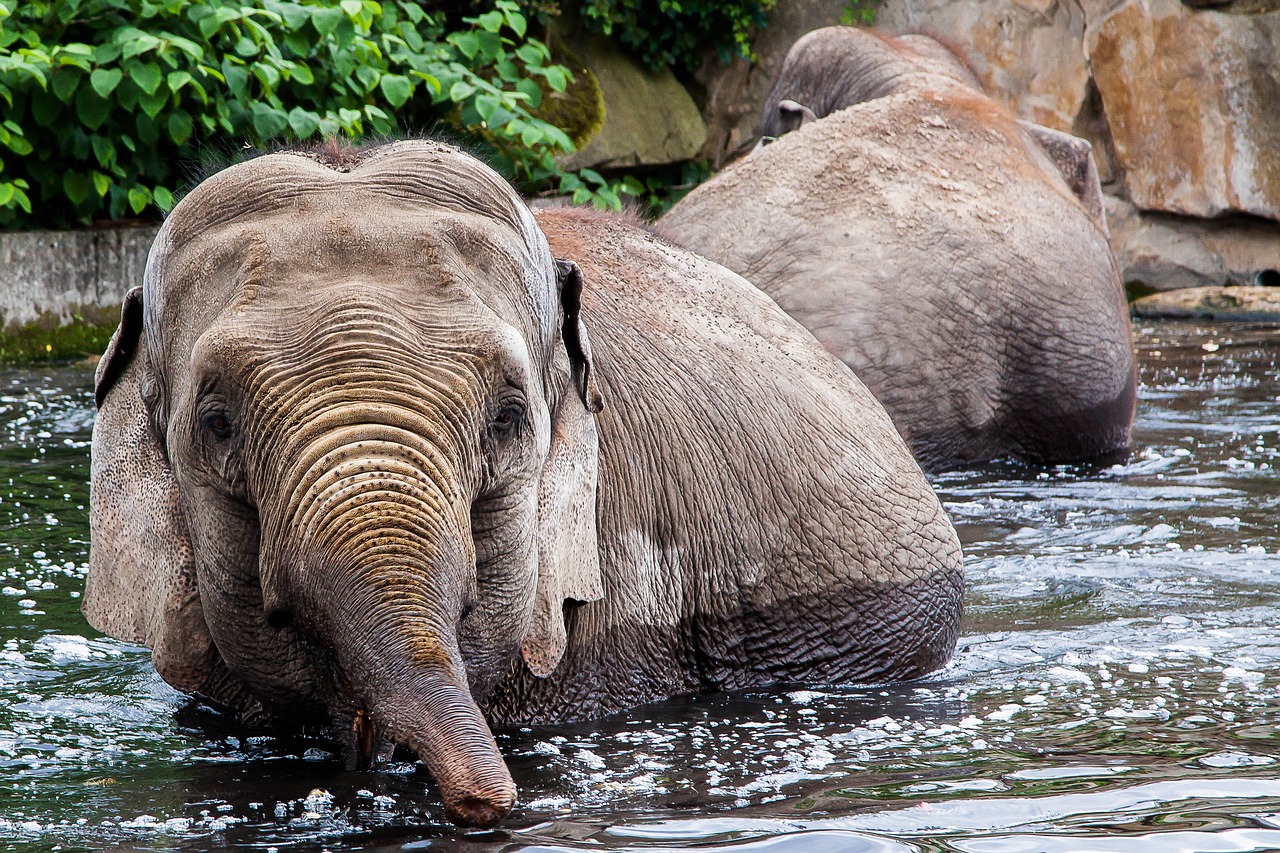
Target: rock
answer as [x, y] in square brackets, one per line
[649, 118]
[1159, 256]
[1257, 304]
[1167, 252]
[1027, 53]
[1193, 103]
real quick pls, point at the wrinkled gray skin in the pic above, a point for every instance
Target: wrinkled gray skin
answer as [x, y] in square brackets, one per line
[350, 465]
[955, 258]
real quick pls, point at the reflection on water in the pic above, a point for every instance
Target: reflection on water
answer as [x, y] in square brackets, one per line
[1114, 688]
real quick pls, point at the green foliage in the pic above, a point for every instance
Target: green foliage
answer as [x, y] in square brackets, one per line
[106, 102]
[655, 192]
[677, 33]
[859, 13]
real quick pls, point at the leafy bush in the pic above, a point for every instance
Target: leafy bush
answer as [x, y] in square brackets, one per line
[859, 13]
[105, 101]
[677, 33]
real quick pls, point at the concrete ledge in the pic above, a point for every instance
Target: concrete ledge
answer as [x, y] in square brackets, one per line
[52, 278]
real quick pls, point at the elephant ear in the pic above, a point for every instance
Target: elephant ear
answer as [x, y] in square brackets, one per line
[141, 586]
[793, 116]
[1073, 158]
[568, 548]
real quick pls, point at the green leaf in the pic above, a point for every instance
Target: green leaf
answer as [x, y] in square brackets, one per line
[532, 93]
[146, 74]
[491, 21]
[180, 128]
[267, 76]
[105, 80]
[237, 80]
[529, 55]
[91, 109]
[76, 187]
[19, 145]
[303, 123]
[395, 89]
[302, 74]
[517, 23]
[45, 111]
[353, 8]
[268, 121]
[139, 198]
[148, 130]
[209, 25]
[7, 192]
[368, 77]
[326, 20]
[153, 104]
[64, 84]
[104, 150]
[467, 43]
[556, 77]
[460, 91]
[178, 79]
[101, 183]
[486, 105]
[105, 54]
[163, 198]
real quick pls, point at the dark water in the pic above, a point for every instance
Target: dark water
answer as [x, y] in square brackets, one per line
[1115, 689]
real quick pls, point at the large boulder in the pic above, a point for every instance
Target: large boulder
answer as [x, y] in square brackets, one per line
[1193, 102]
[1163, 251]
[1027, 53]
[649, 118]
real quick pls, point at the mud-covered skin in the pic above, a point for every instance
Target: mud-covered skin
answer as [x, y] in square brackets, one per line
[931, 242]
[350, 463]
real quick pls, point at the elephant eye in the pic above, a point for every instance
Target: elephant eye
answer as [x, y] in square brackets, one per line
[508, 418]
[219, 424]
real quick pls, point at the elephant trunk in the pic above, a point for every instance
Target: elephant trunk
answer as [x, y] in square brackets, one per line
[437, 718]
[374, 552]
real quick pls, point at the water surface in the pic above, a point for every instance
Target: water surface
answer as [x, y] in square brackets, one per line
[1115, 687]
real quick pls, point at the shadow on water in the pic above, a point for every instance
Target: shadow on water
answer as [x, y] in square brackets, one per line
[1114, 688]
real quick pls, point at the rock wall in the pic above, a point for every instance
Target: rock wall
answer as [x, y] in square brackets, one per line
[52, 277]
[1180, 100]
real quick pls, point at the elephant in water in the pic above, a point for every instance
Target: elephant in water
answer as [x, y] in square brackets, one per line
[955, 258]
[369, 456]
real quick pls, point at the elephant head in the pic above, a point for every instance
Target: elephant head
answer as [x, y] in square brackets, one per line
[346, 456]
[836, 67]
[833, 68]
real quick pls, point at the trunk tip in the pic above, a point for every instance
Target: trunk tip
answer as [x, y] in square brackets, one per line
[481, 812]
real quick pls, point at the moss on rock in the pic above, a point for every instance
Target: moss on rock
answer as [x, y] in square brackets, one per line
[579, 109]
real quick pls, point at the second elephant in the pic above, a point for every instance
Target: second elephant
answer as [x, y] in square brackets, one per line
[954, 257]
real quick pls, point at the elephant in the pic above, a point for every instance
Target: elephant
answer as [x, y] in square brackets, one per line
[956, 258]
[379, 451]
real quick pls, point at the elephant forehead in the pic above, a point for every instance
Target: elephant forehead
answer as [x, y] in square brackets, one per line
[424, 265]
[382, 200]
